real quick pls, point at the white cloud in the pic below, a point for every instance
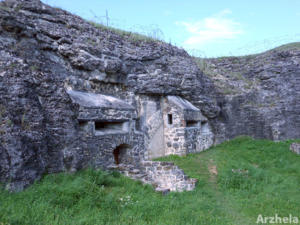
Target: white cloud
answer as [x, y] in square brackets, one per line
[211, 29]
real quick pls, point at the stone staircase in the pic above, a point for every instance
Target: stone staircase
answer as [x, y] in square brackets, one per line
[164, 176]
[128, 170]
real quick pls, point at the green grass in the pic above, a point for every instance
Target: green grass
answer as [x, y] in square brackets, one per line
[131, 36]
[253, 177]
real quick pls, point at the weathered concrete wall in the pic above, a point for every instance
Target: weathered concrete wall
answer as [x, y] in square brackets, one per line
[157, 143]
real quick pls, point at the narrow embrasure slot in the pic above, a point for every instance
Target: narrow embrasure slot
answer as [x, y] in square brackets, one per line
[104, 125]
[192, 123]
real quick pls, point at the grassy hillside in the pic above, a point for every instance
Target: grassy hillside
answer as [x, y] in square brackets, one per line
[290, 46]
[238, 180]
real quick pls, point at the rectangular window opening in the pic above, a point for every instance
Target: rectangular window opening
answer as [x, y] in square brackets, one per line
[192, 123]
[102, 126]
[82, 123]
[170, 119]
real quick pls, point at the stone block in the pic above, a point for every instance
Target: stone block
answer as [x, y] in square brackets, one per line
[295, 147]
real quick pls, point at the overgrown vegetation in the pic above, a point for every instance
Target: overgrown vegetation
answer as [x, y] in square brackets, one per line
[132, 36]
[238, 180]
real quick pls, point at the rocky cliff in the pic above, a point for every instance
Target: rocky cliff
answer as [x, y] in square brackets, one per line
[44, 52]
[259, 95]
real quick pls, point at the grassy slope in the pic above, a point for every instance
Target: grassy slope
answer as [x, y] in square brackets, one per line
[265, 180]
[290, 46]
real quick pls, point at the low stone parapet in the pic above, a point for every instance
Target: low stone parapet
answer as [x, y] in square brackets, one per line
[168, 177]
[164, 176]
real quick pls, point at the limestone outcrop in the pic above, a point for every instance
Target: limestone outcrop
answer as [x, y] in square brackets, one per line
[75, 94]
[259, 95]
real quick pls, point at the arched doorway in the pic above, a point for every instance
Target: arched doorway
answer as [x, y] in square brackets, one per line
[121, 154]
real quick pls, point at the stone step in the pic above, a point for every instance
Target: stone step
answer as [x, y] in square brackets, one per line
[135, 171]
[163, 176]
[112, 167]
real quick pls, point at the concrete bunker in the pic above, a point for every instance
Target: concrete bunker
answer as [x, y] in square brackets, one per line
[107, 126]
[173, 125]
[181, 136]
[102, 114]
[192, 123]
[111, 127]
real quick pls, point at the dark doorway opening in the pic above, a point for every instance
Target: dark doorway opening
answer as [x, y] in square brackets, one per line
[121, 154]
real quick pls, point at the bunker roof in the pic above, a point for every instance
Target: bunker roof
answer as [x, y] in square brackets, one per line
[92, 100]
[182, 103]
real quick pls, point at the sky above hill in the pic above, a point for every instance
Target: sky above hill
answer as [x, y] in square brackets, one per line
[204, 28]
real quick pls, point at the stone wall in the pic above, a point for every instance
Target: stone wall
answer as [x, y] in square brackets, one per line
[192, 137]
[189, 131]
[206, 137]
[174, 133]
[168, 177]
[163, 176]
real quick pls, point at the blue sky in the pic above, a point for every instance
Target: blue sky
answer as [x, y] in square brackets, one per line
[208, 28]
